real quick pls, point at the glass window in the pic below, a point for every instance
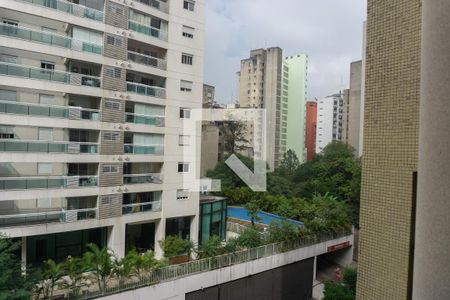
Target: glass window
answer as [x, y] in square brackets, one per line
[187, 59]
[110, 169]
[189, 5]
[184, 140]
[111, 136]
[182, 194]
[186, 86]
[115, 105]
[46, 99]
[188, 32]
[6, 95]
[8, 58]
[183, 168]
[185, 113]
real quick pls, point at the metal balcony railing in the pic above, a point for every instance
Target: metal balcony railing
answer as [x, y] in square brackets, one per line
[141, 207]
[53, 111]
[157, 121]
[49, 38]
[160, 5]
[147, 60]
[14, 145]
[60, 216]
[70, 8]
[142, 178]
[148, 30]
[78, 79]
[144, 149]
[147, 90]
[50, 182]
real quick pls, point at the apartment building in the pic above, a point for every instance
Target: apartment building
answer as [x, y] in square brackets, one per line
[329, 120]
[311, 129]
[260, 86]
[94, 95]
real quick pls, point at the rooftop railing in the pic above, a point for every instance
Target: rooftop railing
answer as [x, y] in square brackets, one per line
[78, 79]
[144, 149]
[34, 109]
[157, 121]
[141, 207]
[60, 216]
[147, 90]
[49, 38]
[142, 178]
[147, 60]
[70, 8]
[148, 30]
[174, 272]
[15, 145]
[44, 182]
[160, 5]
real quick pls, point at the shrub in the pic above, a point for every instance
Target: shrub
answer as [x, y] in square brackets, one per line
[250, 238]
[176, 246]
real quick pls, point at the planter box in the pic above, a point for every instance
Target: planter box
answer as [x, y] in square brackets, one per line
[179, 259]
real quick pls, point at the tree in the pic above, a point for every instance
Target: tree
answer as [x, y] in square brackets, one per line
[174, 245]
[52, 274]
[253, 211]
[284, 230]
[101, 264]
[345, 290]
[13, 285]
[234, 136]
[123, 267]
[143, 264]
[211, 247]
[290, 162]
[74, 269]
[250, 238]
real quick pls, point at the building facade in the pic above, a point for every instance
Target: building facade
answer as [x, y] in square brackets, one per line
[293, 106]
[329, 120]
[390, 150]
[311, 129]
[93, 99]
[352, 107]
[260, 79]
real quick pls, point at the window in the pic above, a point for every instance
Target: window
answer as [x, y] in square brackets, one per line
[183, 167]
[186, 86]
[111, 136]
[189, 5]
[182, 194]
[108, 199]
[115, 9]
[11, 22]
[114, 105]
[47, 66]
[184, 140]
[188, 32]
[110, 169]
[115, 41]
[45, 168]
[6, 95]
[113, 72]
[185, 113]
[187, 59]
[6, 132]
[45, 134]
[8, 58]
[46, 99]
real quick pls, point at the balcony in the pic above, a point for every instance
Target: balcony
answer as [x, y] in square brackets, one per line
[13, 145]
[147, 60]
[142, 89]
[61, 216]
[41, 182]
[77, 79]
[141, 207]
[31, 109]
[157, 121]
[159, 5]
[148, 30]
[49, 39]
[142, 178]
[144, 149]
[70, 8]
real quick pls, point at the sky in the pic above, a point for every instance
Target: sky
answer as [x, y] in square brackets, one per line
[329, 31]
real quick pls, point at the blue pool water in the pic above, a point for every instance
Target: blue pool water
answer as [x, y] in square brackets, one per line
[241, 213]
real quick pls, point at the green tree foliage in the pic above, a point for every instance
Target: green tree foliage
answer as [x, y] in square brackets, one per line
[234, 136]
[345, 290]
[51, 278]
[211, 247]
[250, 238]
[140, 265]
[253, 209]
[12, 284]
[290, 163]
[280, 231]
[101, 264]
[74, 269]
[175, 246]
[229, 179]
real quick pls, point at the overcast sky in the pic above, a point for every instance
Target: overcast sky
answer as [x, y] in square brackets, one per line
[329, 31]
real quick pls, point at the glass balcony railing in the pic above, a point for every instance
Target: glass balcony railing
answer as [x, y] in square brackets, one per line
[143, 119]
[142, 178]
[146, 90]
[41, 182]
[60, 216]
[49, 39]
[147, 30]
[32, 109]
[70, 8]
[49, 75]
[141, 207]
[160, 5]
[148, 60]
[138, 149]
[13, 145]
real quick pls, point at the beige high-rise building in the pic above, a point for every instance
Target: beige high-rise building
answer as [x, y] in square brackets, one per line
[390, 150]
[352, 107]
[93, 101]
[260, 87]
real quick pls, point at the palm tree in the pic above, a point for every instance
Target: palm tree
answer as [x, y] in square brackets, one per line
[50, 278]
[74, 269]
[144, 264]
[101, 264]
[123, 267]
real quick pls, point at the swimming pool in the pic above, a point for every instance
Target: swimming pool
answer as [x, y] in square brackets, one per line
[241, 213]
